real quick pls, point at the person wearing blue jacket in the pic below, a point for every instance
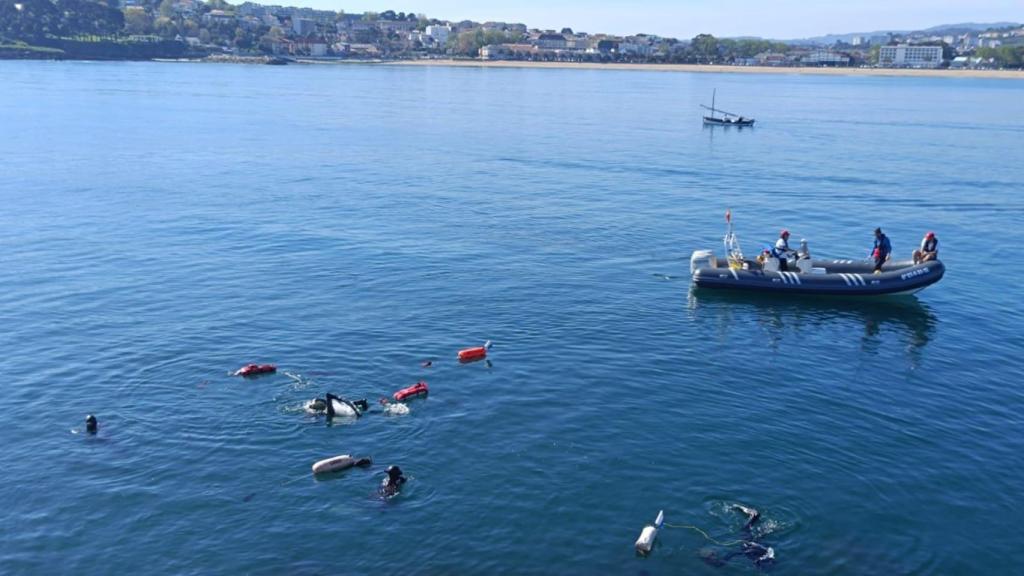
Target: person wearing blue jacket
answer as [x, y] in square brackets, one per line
[882, 250]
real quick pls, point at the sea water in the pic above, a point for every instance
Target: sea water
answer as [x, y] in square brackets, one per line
[164, 224]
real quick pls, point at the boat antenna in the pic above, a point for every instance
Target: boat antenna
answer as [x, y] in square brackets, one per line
[733, 253]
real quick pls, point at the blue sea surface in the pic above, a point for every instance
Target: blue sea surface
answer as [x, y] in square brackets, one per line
[164, 224]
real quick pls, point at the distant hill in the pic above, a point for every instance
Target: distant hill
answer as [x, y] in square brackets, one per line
[943, 29]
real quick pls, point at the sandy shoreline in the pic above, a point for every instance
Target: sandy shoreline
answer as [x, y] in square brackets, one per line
[701, 68]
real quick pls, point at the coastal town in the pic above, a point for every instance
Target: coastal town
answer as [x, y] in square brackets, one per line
[217, 30]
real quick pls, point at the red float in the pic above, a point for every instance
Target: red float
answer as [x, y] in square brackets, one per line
[416, 390]
[255, 370]
[474, 354]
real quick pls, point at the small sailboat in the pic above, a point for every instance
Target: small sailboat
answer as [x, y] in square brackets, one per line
[727, 118]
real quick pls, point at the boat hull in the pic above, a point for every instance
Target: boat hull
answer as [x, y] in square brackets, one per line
[841, 278]
[720, 122]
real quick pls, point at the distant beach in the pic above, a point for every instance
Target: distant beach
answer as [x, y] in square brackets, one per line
[942, 73]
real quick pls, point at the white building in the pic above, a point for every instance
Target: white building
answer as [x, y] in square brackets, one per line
[906, 56]
[439, 33]
[825, 58]
[303, 26]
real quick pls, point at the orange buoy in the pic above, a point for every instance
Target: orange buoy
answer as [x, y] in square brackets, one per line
[474, 354]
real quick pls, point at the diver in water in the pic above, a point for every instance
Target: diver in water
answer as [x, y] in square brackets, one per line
[393, 483]
[762, 556]
[91, 425]
[752, 515]
[332, 406]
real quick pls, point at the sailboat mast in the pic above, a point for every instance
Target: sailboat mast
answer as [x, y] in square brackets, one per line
[713, 91]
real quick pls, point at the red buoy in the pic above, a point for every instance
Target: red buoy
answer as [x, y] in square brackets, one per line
[417, 389]
[255, 370]
[471, 354]
[474, 354]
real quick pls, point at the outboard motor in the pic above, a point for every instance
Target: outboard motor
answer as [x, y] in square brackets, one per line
[803, 258]
[702, 259]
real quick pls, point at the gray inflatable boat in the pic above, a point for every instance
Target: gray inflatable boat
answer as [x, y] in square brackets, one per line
[803, 275]
[826, 277]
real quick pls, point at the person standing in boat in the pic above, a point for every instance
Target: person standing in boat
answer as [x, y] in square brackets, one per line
[929, 249]
[782, 251]
[881, 251]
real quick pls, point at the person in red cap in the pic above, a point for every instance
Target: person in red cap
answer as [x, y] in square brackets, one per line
[782, 250]
[929, 249]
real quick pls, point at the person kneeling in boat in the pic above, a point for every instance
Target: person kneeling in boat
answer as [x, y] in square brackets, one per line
[929, 249]
[782, 251]
[332, 406]
[881, 251]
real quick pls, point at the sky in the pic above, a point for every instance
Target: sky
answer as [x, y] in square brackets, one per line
[778, 19]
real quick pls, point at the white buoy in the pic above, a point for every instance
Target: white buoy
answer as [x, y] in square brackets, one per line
[645, 542]
[334, 464]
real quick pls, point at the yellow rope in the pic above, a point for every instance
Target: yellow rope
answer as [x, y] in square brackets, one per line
[704, 534]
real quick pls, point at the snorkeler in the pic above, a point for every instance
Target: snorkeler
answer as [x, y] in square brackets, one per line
[393, 483]
[761, 555]
[752, 515]
[332, 406]
[758, 554]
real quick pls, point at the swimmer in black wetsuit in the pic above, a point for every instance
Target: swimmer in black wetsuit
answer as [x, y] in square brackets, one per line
[752, 515]
[91, 425]
[762, 556]
[393, 483]
[332, 406]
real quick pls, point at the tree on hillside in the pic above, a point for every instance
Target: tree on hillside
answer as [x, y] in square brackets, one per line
[470, 42]
[165, 27]
[1004, 56]
[88, 17]
[219, 5]
[29, 19]
[705, 46]
[137, 21]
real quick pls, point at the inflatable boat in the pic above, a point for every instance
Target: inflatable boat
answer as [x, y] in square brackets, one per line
[827, 277]
[804, 275]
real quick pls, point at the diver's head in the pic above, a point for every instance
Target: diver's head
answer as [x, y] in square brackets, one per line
[318, 404]
[364, 462]
[91, 424]
[878, 232]
[363, 405]
[394, 472]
